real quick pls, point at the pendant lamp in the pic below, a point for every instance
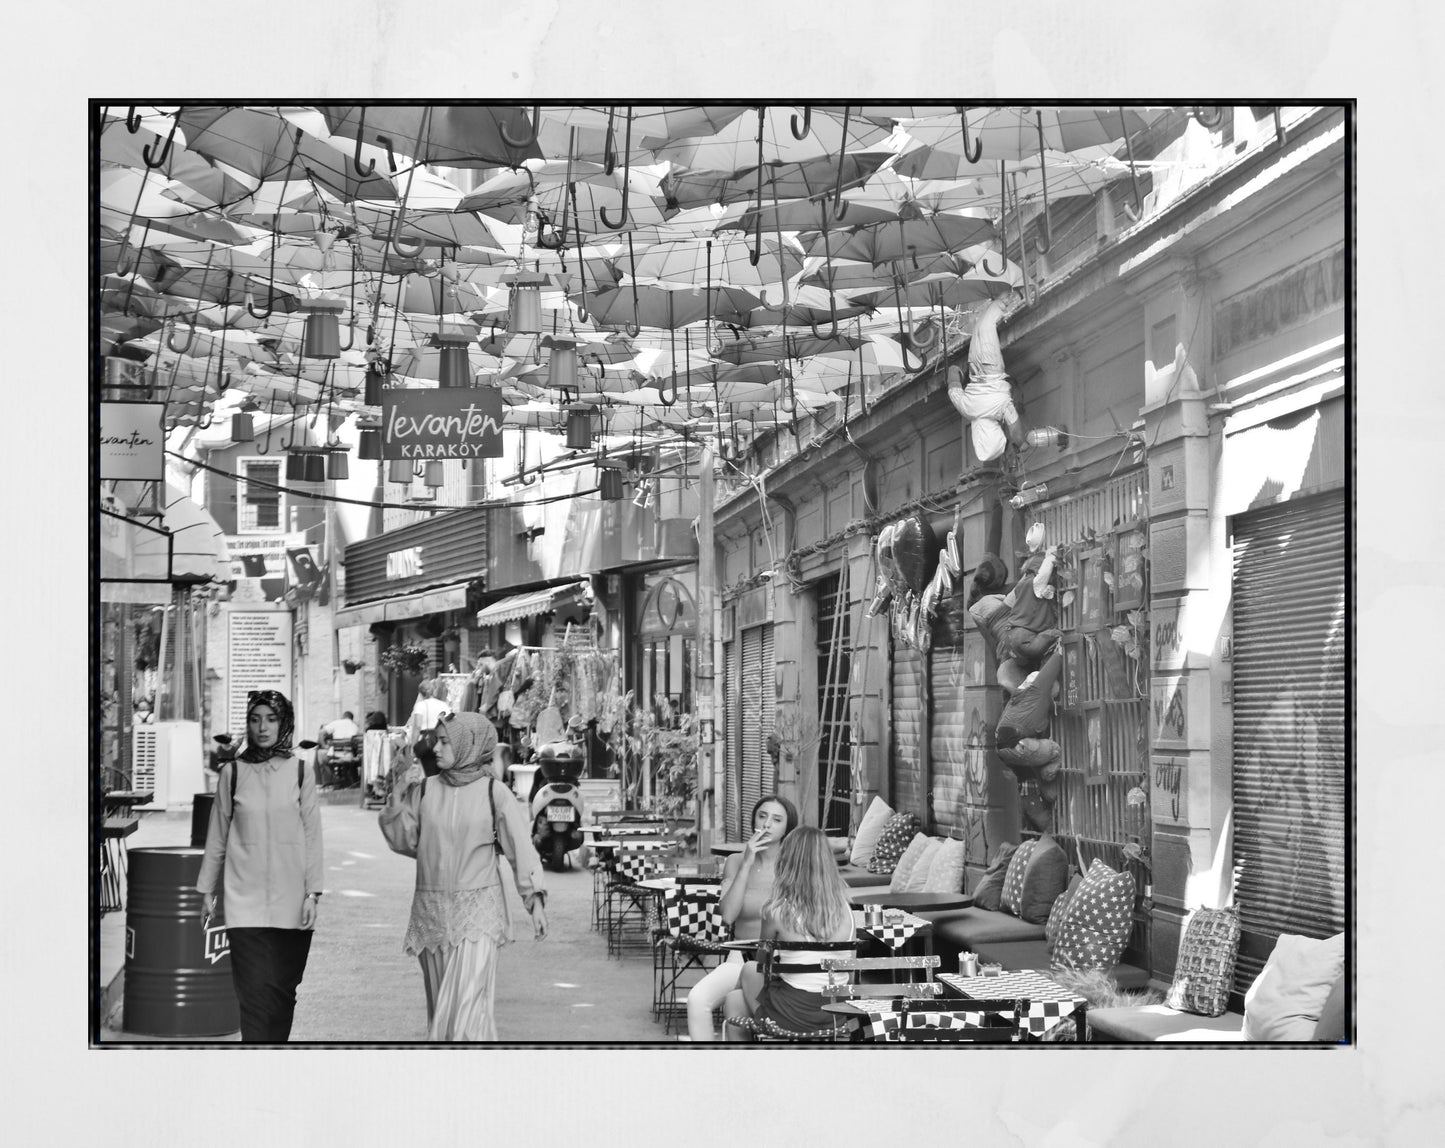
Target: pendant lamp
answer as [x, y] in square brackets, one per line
[295, 466]
[322, 339]
[579, 429]
[1048, 436]
[610, 482]
[243, 426]
[375, 380]
[315, 466]
[562, 366]
[337, 465]
[400, 470]
[454, 339]
[524, 307]
[435, 474]
[370, 448]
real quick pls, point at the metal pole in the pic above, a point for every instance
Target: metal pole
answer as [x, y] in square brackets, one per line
[706, 679]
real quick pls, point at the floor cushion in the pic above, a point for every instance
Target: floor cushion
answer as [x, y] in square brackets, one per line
[893, 841]
[1162, 1023]
[1096, 926]
[1288, 996]
[988, 893]
[1204, 968]
[875, 817]
[967, 929]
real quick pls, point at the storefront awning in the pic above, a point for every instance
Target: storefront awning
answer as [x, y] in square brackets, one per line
[525, 605]
[405, 606]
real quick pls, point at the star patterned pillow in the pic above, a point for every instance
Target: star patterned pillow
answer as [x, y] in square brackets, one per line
[1096, 924]
[895, 838]
[1013, 881]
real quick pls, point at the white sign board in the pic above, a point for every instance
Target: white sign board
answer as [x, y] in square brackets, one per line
[132, 441]
[258, 657]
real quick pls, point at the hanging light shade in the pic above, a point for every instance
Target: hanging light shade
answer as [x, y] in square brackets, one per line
[562, 366]
[315, 466]
[1048, 436]
[375, 380]
[322, 339]
[524, 308]
[337, 465]
[243, 426]
[610, 483]
[370, 447]
[399, 471]
[295, 466]
[435, 474]
[579, 429]
[456, 366]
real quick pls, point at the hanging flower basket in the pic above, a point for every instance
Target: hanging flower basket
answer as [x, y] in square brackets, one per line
[406, 659]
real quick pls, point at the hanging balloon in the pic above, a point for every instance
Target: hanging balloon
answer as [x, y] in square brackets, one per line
[915, 551]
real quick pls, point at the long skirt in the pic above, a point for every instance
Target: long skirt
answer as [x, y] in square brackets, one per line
[266, 967]
[461, 986]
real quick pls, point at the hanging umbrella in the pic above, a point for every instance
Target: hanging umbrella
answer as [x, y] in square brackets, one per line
[781, 180]
[1011, 133]
[950, 291]
[736, 145]
[263, 143]
[451, 135]
[627, 205]
[792, 346]
[651, 127]
[807, 306]
[852, 275]
[648, 305]
[906, 239]
[807, 215]
[429, 228]
[726, 258]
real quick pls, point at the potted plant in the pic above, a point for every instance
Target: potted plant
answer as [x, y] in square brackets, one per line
[406, 659]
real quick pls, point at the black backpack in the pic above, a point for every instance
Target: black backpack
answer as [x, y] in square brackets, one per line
[300, 775]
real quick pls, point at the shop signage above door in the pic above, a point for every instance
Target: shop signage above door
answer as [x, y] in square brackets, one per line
[132, 441]
[405, 563]
[450, 422]
[1285, 300]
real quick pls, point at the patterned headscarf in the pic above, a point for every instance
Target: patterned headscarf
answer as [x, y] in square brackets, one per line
[285, 727]
[473, 740]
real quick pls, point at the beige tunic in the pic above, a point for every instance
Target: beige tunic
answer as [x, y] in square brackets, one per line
[459, 895]
[266, 852]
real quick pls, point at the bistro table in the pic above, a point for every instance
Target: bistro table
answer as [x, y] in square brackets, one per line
[878, 1018]
[116, 825]
[913, 902]
[727, 848]
[1048, 1001]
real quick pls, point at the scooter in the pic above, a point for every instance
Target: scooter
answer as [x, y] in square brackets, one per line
[556, 802]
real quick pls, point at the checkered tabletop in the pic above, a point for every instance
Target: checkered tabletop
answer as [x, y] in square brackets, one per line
[883, 1022]
[633, 861]
[891, 932]
[1049, 1002]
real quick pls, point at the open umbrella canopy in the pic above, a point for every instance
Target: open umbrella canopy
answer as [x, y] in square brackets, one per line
[901, 239]
[780, 180]
[650, 305]
[455, 135]
[736, 145]
[720, 260]
[809, 215]
[1012, 133]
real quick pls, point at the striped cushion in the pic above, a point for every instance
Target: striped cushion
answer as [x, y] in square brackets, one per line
[1204, 970]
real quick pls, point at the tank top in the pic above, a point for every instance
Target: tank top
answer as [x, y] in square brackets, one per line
[749, 922]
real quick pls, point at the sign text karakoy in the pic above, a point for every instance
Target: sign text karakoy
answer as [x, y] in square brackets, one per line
[451, 422]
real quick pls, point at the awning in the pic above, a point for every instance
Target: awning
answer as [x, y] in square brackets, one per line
[525, 605]
[140, 559]
[405, 606]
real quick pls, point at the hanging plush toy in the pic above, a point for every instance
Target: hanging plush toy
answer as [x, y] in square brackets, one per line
[1033, 608]
[985, 399]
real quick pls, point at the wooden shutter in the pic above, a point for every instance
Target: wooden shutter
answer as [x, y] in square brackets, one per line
[906, 763]
[835, 738]
[1290, 747]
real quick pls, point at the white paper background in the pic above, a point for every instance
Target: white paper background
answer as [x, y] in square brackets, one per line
[1386, 1091]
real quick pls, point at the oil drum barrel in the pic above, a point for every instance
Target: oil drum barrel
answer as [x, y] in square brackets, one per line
[177, 973]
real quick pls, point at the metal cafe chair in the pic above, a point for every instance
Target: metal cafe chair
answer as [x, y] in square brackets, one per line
[767, 1029]
[691, 941]
[633, 921]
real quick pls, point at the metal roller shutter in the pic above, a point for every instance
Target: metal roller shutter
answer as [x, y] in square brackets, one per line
[835, 740]
[756, 708]
[731, 776]
[1289, 725]
[949, 739]
[906, 791]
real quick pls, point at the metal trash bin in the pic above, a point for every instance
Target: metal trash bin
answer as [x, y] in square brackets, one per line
[201, 818]
[177, 974]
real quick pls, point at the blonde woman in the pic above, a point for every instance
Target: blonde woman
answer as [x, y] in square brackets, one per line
[809, 903]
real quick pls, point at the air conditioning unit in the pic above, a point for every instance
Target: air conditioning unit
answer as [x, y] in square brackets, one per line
[167, 762]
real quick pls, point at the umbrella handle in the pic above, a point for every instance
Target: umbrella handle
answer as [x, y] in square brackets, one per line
[370, 167]
[632, 330]
[190, 337]
[756, 252]
[626, 184]
[832, 299]
[974, 154]
[165, 151]
[838, 209]
[1041, 246]
[132, 120]
[807, 123]
[525, 141]
[1003, 236]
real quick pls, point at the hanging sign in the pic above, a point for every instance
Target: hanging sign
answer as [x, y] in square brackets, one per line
[446, 422]
[132, 441]
[258, 657]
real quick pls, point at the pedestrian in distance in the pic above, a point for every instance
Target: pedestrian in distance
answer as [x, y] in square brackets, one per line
[428, 710]
[263, 853]
[459, 912]
[747, 882]
[809, 903]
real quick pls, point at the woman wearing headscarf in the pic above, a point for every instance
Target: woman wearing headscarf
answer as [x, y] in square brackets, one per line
[459, 912]
[263, 849]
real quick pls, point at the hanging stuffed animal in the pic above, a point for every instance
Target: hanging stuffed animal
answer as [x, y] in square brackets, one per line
[985, 398]
[1033, 609]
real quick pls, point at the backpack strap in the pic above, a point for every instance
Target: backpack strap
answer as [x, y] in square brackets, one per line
[300, 779]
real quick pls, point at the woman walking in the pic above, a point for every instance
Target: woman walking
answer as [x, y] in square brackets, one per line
[459, 913]
[809, 903]
[263, 848]
[747, 882]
